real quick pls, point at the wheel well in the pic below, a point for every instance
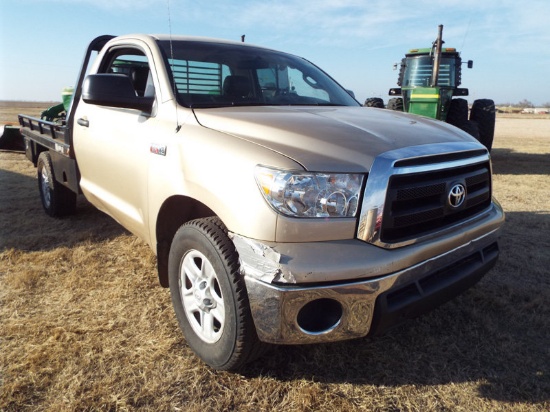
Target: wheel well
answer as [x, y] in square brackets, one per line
[35, 149]
[175, 211]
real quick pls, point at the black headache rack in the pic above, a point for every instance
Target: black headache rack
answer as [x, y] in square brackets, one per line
[57, 138]
[95, 45]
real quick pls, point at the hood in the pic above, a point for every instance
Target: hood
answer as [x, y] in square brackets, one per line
[335, 139]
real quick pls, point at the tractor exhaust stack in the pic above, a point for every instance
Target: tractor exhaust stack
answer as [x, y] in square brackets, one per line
[437, 55]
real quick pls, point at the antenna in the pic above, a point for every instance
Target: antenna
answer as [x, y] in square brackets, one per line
[178, 126]
[465, 35]
[242, 37]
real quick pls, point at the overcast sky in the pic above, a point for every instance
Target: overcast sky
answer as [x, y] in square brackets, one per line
[42, 42]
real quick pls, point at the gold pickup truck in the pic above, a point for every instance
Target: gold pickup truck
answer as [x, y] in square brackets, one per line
[280, 210]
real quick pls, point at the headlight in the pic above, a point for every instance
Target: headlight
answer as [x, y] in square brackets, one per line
[305, 194]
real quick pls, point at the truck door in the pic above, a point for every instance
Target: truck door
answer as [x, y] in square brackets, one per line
[112, 145]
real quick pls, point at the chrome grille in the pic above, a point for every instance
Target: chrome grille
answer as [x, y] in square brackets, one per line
[417, 203]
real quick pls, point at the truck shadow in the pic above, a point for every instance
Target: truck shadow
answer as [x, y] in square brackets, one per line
[511, 162]
[25, 226]
[495, 335]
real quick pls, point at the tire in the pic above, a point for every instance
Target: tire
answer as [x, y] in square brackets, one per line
[209, 295]
[484, 114]
[458, 116]
[374, 102]
[471, 128]
[458, 112]
[395, 103]
[57, 200]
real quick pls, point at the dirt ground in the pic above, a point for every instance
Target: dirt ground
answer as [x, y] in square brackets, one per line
[85, 326]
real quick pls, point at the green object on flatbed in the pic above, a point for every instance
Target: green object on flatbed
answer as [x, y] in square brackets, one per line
[54, 112]
[67, 96]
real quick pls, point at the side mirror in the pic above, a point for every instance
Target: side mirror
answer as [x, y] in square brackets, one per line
[461, 91]
[395, 91]
[470, 64]
[351, 93]
[114, 90]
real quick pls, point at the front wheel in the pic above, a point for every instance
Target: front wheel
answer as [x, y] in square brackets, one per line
[209, 295]
[57, 200]
[374, 102]
[458, 112]
[484, 114]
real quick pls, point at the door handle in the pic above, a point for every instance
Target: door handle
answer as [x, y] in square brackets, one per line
[83, 122]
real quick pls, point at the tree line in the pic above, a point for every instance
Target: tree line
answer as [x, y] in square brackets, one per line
[523, 104]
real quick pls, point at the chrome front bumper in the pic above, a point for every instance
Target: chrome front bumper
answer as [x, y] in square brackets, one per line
[287, 312]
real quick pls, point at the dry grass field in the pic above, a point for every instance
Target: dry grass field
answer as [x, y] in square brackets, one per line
[85, 326]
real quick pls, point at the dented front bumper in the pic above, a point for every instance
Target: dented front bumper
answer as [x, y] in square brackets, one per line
[328, 291]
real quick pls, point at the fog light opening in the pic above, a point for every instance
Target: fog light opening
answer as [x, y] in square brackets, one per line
[320, 316]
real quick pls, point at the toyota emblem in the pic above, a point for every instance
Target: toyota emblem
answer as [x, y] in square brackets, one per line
[457, 194]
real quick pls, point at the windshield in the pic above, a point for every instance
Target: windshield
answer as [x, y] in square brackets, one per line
[418, 72]
[209, 74]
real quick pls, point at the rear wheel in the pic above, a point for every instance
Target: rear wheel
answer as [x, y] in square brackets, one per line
[374, 102]
[395, 103]
[209, 295]
[484, 114]
[471, 128]
[57, 200]
[458, 116]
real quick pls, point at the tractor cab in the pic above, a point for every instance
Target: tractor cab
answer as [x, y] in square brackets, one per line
[428, 80]
[421, 95]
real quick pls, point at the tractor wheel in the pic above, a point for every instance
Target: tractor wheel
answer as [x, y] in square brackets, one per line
[483, 113]
[471, 128]
[396, 104]
[374, 102]
[458, 112]
[458, 116]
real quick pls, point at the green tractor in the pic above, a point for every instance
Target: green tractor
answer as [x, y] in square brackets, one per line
[429, 80]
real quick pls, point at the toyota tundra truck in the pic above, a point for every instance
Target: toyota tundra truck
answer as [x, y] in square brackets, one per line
[280, 210]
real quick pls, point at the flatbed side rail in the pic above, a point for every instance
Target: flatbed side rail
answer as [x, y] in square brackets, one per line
[49, 135]
[54, 130]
